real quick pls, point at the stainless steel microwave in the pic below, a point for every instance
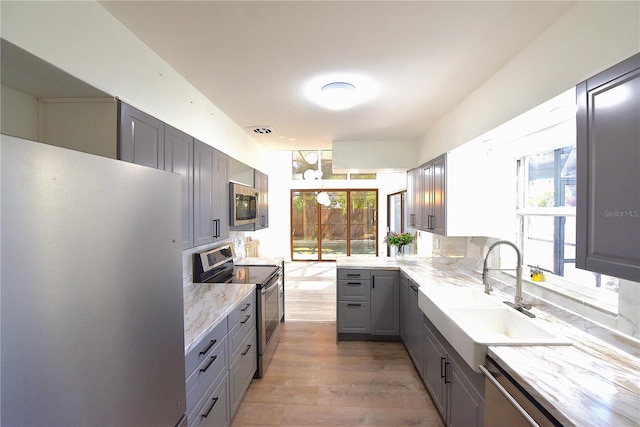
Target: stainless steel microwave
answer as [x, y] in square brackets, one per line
[243, 204]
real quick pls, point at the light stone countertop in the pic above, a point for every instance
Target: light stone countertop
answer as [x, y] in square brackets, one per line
[590, 383]
[206, 305]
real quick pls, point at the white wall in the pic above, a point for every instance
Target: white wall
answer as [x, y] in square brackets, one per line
[19, 114]
[88, 125]
[589, 38]
[86, 41]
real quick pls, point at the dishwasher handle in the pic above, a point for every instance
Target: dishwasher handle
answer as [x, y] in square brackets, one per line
[508, 396]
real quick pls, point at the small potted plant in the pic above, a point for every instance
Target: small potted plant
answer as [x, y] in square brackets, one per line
[399, 240]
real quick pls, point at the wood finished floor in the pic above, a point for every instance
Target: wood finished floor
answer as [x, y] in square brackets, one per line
[315, 381]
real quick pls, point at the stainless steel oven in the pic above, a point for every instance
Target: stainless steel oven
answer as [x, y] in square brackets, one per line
[217, 266]
[268, 322]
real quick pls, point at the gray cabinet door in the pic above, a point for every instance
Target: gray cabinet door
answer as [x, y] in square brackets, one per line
[221, 196]
[414, 328]
[140, 137]
[204, 227]
[435, 357]
[211, 194]
[433, 218]
[385, 303]
[404, 313]
[438, 193]
[608, 173]
[354, 317]
[178, 158]
[261, 182]
[465, 403]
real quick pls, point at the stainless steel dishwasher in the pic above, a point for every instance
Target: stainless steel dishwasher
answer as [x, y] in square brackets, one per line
[506, 403]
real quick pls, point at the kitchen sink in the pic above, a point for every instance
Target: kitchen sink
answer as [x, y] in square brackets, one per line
[472, 320]
[461, 297]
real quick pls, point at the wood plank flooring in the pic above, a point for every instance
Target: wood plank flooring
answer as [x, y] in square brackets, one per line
[315, 381]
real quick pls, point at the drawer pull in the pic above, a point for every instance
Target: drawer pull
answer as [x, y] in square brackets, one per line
[206, 414]
[211, 344]
[447, 375]
[245, 307]
[353, 274]
[354, 283]
[213, 359]
[247, 350]
[354, 305]
[246, 319]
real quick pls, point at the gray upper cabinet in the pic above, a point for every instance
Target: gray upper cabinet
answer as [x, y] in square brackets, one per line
[140, 137]
[261, 183]
[178, 158]
[147, 141]
[415, 197]
[435, 192]
[211, 194]
[608, 174]
[426, 201]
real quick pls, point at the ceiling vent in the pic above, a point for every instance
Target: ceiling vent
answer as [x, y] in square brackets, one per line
[262, 130]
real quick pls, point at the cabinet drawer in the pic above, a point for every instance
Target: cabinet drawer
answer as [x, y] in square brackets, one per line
[354, 290]
[241, 372]
[240, 310]
[212, 368]
[200, 352]
[239, 333]
[212, 410]
[354, 317]
[353, 274]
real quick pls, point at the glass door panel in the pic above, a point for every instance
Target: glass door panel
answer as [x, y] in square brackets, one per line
[304, 225]
[363, 226]
[345, 226]
[333, 223]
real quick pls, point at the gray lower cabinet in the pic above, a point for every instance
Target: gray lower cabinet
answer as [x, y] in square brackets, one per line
[456, 389]
[368, 303]
[385, 303]
[608, 171]
[219, 370]
[411, 321]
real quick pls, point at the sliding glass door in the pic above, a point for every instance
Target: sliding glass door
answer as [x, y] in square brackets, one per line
[345, 224]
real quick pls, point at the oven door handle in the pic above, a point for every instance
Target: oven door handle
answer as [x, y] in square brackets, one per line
[271, 284]
[508, 396]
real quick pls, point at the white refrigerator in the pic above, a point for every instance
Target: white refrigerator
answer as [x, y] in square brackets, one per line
[91, 290]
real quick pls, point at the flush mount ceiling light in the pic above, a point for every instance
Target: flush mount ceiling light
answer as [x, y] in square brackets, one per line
[338, 95]
[340, 91]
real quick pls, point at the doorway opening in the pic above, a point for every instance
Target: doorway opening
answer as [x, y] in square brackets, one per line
[346, 224]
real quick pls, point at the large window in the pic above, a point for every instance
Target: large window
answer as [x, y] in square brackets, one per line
[547, 216]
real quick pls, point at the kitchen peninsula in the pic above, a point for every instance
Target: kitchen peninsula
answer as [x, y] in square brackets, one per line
[587, 383]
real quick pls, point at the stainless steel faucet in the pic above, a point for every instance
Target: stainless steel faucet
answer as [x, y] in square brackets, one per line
[518, 303]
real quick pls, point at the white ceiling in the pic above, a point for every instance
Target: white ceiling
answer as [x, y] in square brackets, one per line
[252, 59]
